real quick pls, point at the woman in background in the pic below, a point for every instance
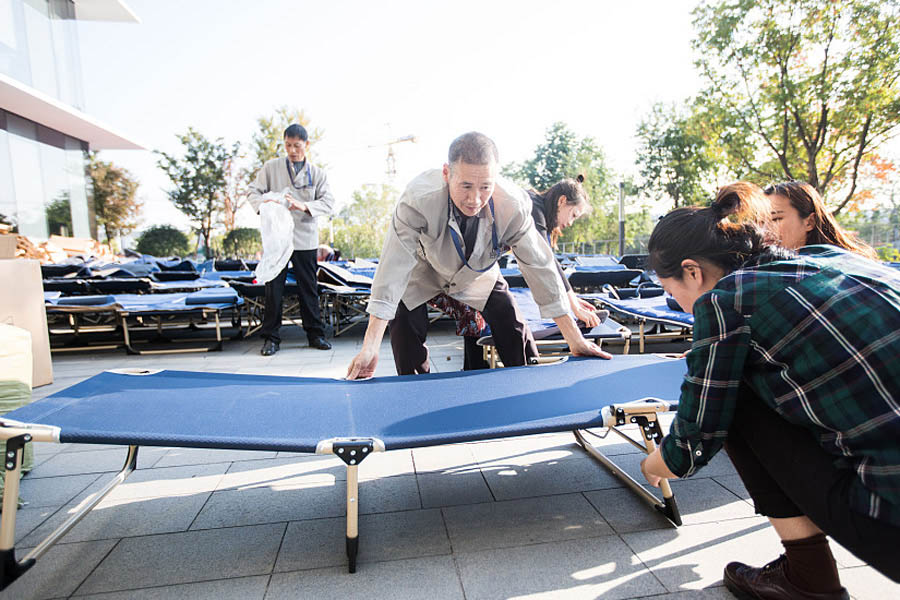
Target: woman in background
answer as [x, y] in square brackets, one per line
[801, 219]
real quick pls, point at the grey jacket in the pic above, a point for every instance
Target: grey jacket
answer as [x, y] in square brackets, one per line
[419, 259]
[274, 177]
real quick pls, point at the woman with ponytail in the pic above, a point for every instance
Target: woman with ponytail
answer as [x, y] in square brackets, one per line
[553, 211]
[801, 219]
[794, 371]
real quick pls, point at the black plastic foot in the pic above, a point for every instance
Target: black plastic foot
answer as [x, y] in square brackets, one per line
[670, 510]
[10, 569]
[352, 549]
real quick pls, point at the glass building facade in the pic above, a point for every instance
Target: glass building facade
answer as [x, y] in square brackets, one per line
[44, 188]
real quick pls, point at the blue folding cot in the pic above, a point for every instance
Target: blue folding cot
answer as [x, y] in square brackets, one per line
[108, 313]
[666, 322]
[546, 332]
[348, 419]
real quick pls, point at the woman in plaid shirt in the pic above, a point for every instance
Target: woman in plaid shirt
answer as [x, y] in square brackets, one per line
[795, 370]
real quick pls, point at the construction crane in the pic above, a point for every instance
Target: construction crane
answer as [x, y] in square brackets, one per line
[391, 158]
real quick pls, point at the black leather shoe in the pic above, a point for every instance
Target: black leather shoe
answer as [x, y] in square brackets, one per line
[770, 583]
[269, 348]
[319, 343]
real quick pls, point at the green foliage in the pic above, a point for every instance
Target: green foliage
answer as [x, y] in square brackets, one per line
[198, 179]
[360, 227]
[243, 242]
[267, 141]
[163, 240]
[674, 157]
[115, 203]
[59, 215]
[563, 154]
[799, 89]
[888, 253]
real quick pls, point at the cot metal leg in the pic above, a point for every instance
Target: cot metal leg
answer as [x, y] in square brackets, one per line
[10, 567]
[352, 516]
[352, 451]
[643, 414]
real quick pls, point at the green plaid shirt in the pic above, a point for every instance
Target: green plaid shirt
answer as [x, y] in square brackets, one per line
[816, 337]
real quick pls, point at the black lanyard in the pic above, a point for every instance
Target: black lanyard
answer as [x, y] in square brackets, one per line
[291, 175]
[458, 243]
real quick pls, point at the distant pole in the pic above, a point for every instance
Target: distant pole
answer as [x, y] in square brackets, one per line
[621, 218]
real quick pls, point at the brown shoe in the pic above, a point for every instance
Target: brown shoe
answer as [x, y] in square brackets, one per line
[770, 583]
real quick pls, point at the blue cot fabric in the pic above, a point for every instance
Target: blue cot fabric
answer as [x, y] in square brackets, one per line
[84, 301]
[149, 303]
[255, 412]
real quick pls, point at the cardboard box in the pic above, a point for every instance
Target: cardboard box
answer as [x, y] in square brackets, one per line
[22, 305]
[7, 246]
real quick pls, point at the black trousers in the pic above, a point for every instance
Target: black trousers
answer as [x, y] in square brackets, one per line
[304, 265]
[788, 474]
[515, 344]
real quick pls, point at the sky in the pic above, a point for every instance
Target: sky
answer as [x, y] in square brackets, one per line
[369, 72]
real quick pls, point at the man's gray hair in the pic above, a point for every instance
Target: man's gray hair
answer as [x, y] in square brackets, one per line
[473, 148]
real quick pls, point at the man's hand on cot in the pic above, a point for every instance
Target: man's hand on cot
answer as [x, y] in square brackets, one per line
[577, 344]
[363, 364]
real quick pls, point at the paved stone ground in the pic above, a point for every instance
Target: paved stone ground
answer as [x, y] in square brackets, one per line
[530, 517]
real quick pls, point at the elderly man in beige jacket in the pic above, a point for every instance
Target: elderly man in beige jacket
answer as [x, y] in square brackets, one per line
[308, 197]
[446, 234]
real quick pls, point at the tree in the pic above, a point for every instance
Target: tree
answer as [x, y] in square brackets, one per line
[163, 240]
[563, 154]
[800, 89]
[267, 141]
[198, 179]
[115, 204]
[59, 215]
[243, 242]
[360, 227]
[674, 157]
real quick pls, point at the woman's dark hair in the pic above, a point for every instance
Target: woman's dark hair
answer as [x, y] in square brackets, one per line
[806, 200]
[708, 234]
[575, 195]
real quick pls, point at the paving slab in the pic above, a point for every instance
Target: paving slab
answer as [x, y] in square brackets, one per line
[515, 522]
[232, 508]
[94, 461]
[177, 457]
[693, 557]
[53, 491]
[432, 577]
[283, 473]
[555, 476]
[188, 557]
[450, 489]
[170, 481]
[389, 536]
[238, 588]
[452, 458]
[59, 572]
[591, 568]
[120, 518]
[865, 583]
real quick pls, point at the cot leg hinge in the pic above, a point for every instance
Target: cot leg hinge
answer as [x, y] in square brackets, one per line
[353, 452]
[650, 428]
[13, 445]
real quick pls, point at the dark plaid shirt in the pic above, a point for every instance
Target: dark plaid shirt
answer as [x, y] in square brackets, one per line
[817, 337]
